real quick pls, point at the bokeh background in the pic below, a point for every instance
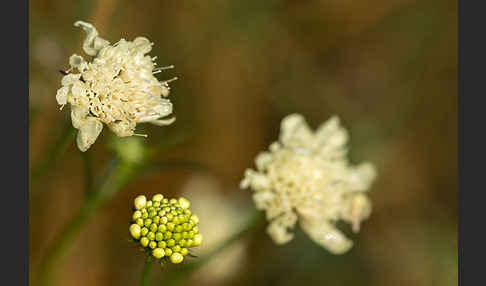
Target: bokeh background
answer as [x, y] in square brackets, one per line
[387, 68]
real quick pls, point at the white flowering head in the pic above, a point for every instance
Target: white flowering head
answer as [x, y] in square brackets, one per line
[116, 87]
[306, 177]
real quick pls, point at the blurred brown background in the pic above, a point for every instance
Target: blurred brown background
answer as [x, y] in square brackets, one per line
[387, 68]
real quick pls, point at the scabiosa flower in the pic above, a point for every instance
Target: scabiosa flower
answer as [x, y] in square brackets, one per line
[166, 228]
[116, 87]
[306, 177]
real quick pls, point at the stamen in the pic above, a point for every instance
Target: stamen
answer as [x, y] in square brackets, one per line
[169, 80]
[160, 69]
[140, 135]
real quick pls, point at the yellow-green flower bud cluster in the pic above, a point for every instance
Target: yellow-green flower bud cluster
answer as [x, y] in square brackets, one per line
[166, 227]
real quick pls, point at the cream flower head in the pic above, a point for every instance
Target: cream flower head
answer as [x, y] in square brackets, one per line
[306, 177]
[117, 88]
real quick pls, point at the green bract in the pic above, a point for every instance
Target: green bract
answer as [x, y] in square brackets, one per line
[166, 228]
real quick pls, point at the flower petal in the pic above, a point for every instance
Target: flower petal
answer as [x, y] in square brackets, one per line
[294, 131]
[278, 228]
[361, 177]
[88, 132]
[78, 115]
[62, 95]
[332, 138]
[326, 235]
[92, 44]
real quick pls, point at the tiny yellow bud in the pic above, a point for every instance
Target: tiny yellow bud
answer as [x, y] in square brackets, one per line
[158, 253]
[135, 231]
[195, 218]
[198, 238]
[189, 243]
[168, 252]
[140, 202]
[162, 228]
[152, 244]
[170, 226]
[151, 235]
[153, 227]
[145, 231]
[170, 242]
[185, 204]
[157, 198]
[162, 244]
[176, 258]
[184, 251]
[136, 215]
[144, 241]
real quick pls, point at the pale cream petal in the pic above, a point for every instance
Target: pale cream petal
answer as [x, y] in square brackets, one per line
[122, 128]
[143, 45]
[332, 138]
[163, 108]
[278, 228]
[70, 79]
[163, 122]
[78, 115]
[262, 160]
[78, 89]
[62, 95]
[294, 131]
[263, 199]
[78, 62]
[259, 182]
[245, 183]
[361, 177]
[92, 44]
[88, 132]
[326, 235]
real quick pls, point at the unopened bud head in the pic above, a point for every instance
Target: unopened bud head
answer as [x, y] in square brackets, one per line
[165, 228]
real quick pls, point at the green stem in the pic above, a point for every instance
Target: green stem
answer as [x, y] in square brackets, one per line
[57, 149]
[112, 181]
[146, 272]
[117, 176]
[256, 222]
